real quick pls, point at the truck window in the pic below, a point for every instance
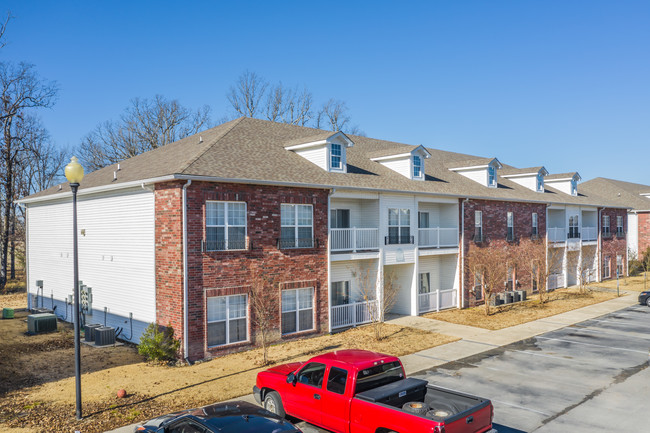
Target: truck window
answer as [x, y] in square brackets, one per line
[336, 380]
[378, 375]
[312, 374]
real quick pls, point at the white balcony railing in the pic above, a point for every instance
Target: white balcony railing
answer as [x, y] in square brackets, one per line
[556, 234]
[435, 301]
[438, 237]
[354, 239]
[356, 313]
[589, 233]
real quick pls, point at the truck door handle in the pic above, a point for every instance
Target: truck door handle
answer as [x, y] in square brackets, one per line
[316, 396]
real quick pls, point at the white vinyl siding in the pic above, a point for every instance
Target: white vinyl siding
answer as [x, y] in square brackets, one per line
[400, 165]
[227, 319]
[357, 273]
[116, 255]
[316, 155]
[364, 213]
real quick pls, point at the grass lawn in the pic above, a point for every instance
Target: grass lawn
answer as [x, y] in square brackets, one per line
[504, 316]
[627, 283]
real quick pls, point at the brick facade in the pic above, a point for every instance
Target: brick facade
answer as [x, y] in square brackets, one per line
[613, 245]
[644, 232]
[494, 215]
[218, 273]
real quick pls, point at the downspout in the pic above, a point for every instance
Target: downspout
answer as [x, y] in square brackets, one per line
[461, 302]
[185, 274]
[329, 262]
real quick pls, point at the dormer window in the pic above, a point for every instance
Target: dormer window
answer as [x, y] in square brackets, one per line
[492, 176]
[336, 156]
[540, 182]
[417, 167]
[565, 182]
[574, 187]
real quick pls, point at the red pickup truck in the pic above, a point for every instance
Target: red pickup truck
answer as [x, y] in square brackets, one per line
[358, 391]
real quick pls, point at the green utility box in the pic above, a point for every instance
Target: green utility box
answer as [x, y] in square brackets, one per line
[7, 313]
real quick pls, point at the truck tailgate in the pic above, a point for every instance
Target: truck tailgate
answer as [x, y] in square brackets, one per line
[476, 421]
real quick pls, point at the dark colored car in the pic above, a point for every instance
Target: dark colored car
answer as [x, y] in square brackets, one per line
[644, 298]
[237, 416]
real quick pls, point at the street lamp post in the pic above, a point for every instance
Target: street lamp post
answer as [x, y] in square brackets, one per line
[74, 172]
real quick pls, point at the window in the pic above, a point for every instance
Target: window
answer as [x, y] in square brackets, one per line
[312, 374]
[417, 166]
[619, 226]
[492, 176]
[296, 221]
[540, 182]
[606, 226]
[336, 380]
[340, 218]
[399, 226]
[574, 187]
[297, 310]
[340, 293]
[227, 319]
[425, 283]
[534, 231]
[225, 225]
[574, 233]
[478, 226]
[478, 285]
[619, 266]
[423, 220]
[336, 156]
[378, 375]
[606, 267]
[511, 226]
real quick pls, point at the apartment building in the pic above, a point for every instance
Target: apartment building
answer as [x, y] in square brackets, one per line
[178, 235]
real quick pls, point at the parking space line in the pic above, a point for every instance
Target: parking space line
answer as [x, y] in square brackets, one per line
[521, 407]
[645, 352]
[611, 332]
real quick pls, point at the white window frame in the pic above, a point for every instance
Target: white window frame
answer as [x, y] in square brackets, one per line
[510, 223]
[574, 187]
[335, 218]
[607, 267]
[228, 319]
[606, 228]
[339, 157]
[227, 205]
[426, 218]
[284, 243]
[574, 227]
[478, 224]
[418, 167]
[400, 226]
[492, 176]
[619, 225]
[298, 309]
[535, 224]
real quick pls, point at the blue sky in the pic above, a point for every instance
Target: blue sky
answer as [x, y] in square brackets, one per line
[564, 84]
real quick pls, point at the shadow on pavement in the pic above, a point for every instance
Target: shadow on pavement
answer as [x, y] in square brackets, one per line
[505, 429]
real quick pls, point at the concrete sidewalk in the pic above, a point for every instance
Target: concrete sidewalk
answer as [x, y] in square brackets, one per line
[477, 340]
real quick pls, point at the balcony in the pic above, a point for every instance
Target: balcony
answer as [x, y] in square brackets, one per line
[437, 237]
[556, 234]
[354, 239]
[356, 313]
[589, 234]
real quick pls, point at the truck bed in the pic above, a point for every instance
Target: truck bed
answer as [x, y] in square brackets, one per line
[441, 404]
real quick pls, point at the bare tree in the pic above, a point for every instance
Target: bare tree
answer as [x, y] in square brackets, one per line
[21, 89]
[246, 95]
[489, 264]
[333, 115]
[264, 304]
[389, 291]
[287, 105]
[3, 29]
[145, 125]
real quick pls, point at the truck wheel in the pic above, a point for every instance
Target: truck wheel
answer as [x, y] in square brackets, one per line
[416, 407]
[273, 403]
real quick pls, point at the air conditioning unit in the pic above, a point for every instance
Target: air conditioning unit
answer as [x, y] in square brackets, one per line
[39, 323]
[522, 295]
[89, 331]
[104, 336]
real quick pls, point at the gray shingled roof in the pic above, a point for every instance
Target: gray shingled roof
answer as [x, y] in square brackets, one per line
[624, 193]
[512, 170]
[560, 176]
[253, 150]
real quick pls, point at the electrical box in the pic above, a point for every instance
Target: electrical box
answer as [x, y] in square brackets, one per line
[104, 336]
[7, 313]
[42, 322]
[39, 283]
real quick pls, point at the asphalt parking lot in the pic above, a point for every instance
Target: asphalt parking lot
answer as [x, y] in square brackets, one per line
[589, 377]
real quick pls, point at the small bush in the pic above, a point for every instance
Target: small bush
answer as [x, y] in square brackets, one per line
[158, 343]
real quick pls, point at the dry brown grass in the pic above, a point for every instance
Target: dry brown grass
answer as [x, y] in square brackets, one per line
[559, 301]
[626, 283]
[153, 389]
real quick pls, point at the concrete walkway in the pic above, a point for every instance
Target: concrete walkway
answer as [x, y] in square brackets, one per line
[477, 340]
